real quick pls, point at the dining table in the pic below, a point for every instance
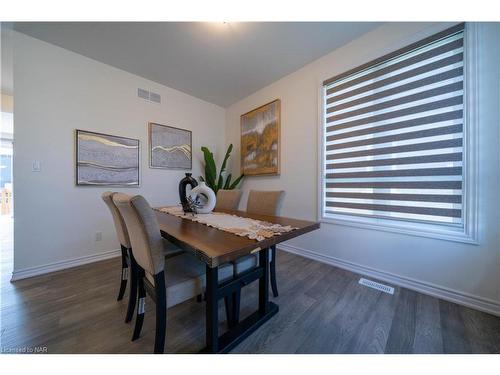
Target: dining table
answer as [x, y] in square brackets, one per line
[215, 247]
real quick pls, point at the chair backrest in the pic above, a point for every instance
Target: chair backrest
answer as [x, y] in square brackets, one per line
[262, 202]
[120, 227]
[228, 199]
[144, 232]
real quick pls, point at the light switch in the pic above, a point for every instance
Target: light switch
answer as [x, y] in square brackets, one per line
[35, 166]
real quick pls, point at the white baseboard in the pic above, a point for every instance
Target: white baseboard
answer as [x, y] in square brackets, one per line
[461, 298]
[62, 265]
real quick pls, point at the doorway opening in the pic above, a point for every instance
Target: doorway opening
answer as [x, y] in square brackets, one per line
[6, 187]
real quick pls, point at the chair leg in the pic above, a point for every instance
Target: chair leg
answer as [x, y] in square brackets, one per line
[161, 313]
[139, 319]
[274, 286]
[123, 283]
[132, 299]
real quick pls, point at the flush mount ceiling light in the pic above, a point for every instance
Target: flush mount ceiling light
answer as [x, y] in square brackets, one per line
[220, 26]
[220, 23]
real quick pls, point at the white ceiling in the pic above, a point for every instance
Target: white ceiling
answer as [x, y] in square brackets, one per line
[218, 62]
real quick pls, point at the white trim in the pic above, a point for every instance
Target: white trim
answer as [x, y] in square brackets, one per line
[62, 265]
[320, 147]
[469, 233]
[439, 232]
[482, 304]
[471, 130]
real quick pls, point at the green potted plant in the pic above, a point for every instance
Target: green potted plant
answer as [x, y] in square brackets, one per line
[211, 179]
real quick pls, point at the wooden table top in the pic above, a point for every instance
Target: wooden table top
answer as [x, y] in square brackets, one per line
[214, 246]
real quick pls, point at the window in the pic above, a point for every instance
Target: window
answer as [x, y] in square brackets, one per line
[393, 138]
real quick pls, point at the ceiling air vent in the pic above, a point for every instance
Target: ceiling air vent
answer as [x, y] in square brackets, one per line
[144, 94]
[155, 97]
[149, 96]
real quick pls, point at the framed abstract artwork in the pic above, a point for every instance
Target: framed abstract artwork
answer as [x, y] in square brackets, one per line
[260, 140]
[106, 160]
[169, 147]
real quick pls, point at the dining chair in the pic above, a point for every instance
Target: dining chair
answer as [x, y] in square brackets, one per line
[169, 281]
[127, 259]
[267, 203]
[228, 199]
[123, 238]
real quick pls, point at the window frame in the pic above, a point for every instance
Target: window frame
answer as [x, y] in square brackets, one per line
[469, 232]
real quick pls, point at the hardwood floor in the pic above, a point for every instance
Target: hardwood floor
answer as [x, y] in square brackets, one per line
[323, 309]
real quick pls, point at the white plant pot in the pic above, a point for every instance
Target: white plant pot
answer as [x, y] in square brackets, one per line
[207, 200]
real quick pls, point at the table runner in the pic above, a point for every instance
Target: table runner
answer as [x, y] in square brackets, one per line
[241, 226]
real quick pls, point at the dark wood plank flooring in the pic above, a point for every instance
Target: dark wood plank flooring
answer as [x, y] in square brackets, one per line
[323, 309]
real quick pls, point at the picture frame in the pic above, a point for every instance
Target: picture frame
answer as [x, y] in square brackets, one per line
[261, 140]
[106, 160]
[170, 147]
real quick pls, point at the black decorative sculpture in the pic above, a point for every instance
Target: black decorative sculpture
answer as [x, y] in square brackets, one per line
[188, 180]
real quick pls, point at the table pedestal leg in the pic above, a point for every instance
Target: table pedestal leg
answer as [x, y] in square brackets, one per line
[212, 321]
[241, 330]
[264, 281]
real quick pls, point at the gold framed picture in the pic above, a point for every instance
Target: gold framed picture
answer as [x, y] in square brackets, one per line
[260, 140]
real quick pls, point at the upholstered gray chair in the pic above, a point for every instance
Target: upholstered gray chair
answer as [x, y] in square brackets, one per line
[266, 203]
[123, 238]
[228, 199]
[169, 280]
[262, 202]
[127, 259]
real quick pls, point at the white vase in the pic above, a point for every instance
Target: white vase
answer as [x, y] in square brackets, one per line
[205, 196]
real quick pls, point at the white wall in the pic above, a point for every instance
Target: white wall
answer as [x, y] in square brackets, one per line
[467, 273]
[58, 91]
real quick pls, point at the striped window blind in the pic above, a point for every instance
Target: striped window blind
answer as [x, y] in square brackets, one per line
[393, 135]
